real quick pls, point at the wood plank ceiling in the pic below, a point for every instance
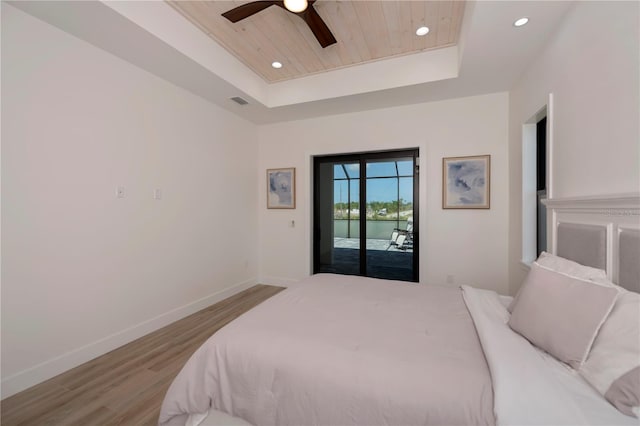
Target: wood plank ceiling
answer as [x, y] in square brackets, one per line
[365, 30]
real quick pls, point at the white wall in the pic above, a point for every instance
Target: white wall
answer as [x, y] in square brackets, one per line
[469, 244]
[82, 271]
[591, 65]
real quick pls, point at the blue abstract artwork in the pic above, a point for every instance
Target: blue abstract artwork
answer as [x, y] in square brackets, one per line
[466, 182]
[281, 188]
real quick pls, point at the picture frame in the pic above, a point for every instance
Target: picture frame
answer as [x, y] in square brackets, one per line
[466, 182]
[281, 188]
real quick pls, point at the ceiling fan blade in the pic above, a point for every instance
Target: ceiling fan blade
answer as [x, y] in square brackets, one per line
[317, 26]
[244, 11]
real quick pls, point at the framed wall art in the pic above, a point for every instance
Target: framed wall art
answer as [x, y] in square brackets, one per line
[466, 182]
[281, 188]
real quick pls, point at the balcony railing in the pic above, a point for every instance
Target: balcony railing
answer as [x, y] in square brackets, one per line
[376, 229]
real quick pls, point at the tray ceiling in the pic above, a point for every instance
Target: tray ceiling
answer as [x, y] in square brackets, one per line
[365, 31]
[490, 56]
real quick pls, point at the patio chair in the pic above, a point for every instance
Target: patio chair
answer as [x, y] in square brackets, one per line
[394, 237]
[398, 239]
[401, 241]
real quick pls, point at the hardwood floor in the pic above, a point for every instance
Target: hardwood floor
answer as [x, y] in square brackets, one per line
[127, 385]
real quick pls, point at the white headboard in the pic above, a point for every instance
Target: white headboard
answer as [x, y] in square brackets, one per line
[603, 232]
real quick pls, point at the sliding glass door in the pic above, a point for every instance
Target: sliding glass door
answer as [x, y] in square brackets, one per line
[365, 214]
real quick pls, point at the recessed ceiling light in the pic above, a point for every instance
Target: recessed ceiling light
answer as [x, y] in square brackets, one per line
[276, 65]
[520, 22]
[422, 31]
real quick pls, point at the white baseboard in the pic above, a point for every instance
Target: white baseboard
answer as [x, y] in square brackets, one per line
[278, 281]
[51, 368]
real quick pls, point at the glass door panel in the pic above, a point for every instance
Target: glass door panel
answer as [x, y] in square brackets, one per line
[337, 218]
[389, 218]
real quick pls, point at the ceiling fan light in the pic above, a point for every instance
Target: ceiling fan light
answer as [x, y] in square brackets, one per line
[296, 6]
[422, 31]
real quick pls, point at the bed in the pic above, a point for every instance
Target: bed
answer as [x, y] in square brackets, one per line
[345, 350]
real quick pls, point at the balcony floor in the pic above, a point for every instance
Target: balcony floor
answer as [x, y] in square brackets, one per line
[392, 264]
[372, 244]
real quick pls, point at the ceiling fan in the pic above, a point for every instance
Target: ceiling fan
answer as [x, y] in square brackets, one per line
[302, 8]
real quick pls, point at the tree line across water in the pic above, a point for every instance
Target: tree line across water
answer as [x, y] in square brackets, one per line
[375, 210]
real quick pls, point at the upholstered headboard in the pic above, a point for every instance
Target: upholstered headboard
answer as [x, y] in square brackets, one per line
[602, 232]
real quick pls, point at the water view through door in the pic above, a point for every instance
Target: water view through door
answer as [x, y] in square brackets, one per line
[365, 215]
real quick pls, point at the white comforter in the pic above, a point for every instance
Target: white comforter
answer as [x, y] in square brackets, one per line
[339, 350]
[343, 350]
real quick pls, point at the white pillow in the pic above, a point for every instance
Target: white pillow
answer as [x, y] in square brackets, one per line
[613, 365]
[569, 267]
[561, 314]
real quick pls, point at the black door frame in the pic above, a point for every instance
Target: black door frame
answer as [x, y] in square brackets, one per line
[362, 158]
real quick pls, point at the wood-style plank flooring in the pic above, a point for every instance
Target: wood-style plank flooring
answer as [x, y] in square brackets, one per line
[127, 385]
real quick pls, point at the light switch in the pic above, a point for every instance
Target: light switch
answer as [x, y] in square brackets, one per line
[157, 194]
[120, 192]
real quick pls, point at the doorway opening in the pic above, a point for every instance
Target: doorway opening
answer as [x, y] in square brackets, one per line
[366, 214]
[541, 186]
[537, 181]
